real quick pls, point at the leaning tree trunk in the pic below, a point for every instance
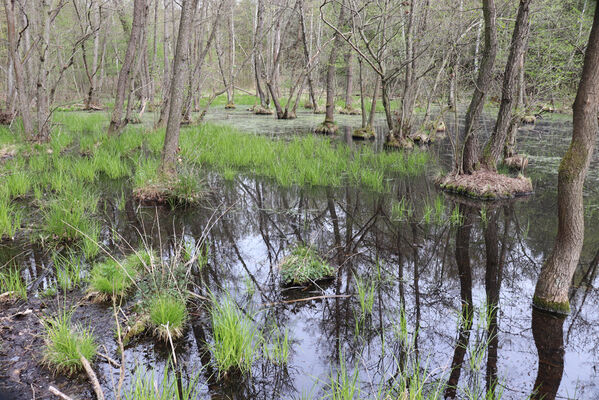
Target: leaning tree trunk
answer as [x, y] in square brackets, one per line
[9, 6]
[173, 126]
[494, 147]
[469, 160]
[556, 275]
[139, 20]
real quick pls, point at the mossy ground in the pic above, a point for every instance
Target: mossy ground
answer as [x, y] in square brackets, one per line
[486, 185]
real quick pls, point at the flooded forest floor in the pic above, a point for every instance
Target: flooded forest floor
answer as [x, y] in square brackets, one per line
[284, 266]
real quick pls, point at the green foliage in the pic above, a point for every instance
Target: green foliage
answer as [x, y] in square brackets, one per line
[276, 348]
[236, 339]
[10, 219]
[68, 270]
[365, 295]
[66, 343]
[11, 282]
[111, 277]
[168, 315]
[145, 386]
[309, 160]
[304, 266]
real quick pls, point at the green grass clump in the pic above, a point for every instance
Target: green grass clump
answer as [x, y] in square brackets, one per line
[111, 164]
[111, 278]
[10, 219]
[235, 338]
[17, 184]
[11, 282]
[145, 386]
[306, 160]
[168, 314]
[66, 343]
[277, 351]
[68, 270]
[304, 266]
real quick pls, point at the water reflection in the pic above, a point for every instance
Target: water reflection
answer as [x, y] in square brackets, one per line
[439, 274]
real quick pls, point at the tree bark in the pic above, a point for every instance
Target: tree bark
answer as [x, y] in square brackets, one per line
[349, 81]
[307, 55]
[139, 20]
[173, 126]
[552, 288]
[23, 98]
[329, 119]
[494, 147]
[43, 107]
[470, 158]
[258, 39]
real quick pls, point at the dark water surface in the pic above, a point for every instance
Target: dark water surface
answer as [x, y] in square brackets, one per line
[433, 273]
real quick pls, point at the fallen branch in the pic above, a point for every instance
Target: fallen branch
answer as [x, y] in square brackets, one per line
[92, 377]
[58, 393]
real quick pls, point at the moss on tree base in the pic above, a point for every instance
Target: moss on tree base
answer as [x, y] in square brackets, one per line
[350, 111]
[486, 185]
[259, 110]
[326, 128]
[395, 143]
[554, 307]
[366, 133]
[420, 138]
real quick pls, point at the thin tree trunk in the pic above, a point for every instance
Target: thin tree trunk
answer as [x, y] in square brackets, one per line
[307, 56]
[173, 126]
[258, 47]
[556, 275]
[9, 6]
[494, 147]
[43, 108]
[349, 82]
[328, 125]
[139, 20]
[470, 158]
[231, 58]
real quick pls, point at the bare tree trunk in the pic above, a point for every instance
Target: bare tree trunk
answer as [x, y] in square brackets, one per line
[307, 55]
[470, 158]
[375, 95]
[494, 147]
[509, 148]
[329, 126]
[556, 275]
[43, 108]
[139, 20]
[231, 57]
[173, 126]
[349, 82]
[258, 32]
[9, 6]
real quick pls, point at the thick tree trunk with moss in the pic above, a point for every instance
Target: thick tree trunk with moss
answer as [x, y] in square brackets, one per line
[494, 147]
[173, 126]
[9, 6]
[139, 19]
[556, 275]
[485, 74]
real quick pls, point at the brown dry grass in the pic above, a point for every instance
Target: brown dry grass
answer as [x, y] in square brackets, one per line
[486, 185]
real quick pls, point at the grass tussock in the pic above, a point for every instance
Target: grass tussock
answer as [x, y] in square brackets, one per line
[486, 185]
[10, 219]
[12, 285]
[146, 385]
[168, 315]
[112, 278]
[304, 266]
[235, 337]
[65, 343]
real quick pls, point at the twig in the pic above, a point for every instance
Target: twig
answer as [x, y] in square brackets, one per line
[111, 361]
[92, 377]
[332, 296]
[58, 393]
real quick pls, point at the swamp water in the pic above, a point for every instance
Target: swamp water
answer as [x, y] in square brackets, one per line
[428, 263]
